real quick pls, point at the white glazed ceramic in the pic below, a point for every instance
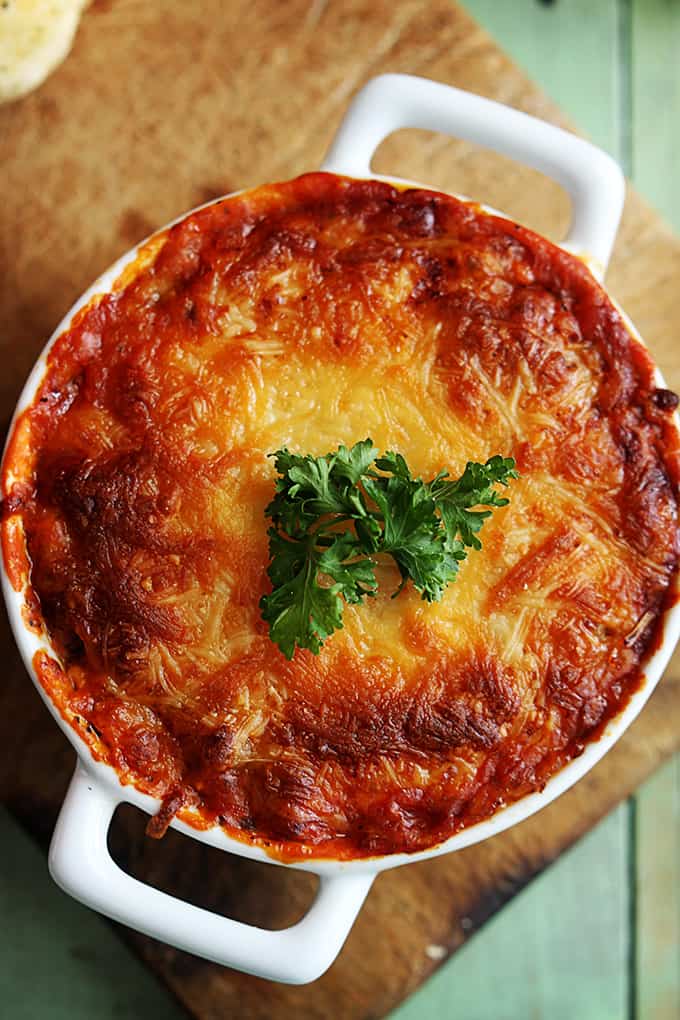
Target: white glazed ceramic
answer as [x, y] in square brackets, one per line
[79, 859]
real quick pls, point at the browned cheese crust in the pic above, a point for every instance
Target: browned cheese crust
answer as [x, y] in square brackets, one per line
[309, 314]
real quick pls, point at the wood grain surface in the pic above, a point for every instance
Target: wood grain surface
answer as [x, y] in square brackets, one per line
[161, 106]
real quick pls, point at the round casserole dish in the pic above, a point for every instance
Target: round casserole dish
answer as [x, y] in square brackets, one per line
[83, 866]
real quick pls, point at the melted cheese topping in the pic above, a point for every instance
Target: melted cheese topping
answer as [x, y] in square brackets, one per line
[305, 315]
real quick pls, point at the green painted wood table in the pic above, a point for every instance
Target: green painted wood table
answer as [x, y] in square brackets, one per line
[598, 935]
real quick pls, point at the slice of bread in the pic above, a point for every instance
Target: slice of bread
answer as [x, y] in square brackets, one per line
[35, 36]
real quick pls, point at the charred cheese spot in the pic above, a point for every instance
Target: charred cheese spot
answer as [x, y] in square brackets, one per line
[308, 314]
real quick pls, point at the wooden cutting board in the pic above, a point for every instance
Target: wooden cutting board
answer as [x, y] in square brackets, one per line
[162, 106]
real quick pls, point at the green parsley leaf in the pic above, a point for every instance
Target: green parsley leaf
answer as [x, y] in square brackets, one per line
[299, 611]
[305, 605]
[332, 515]
[311, 487]
[411, 531]
[475, 487]
[354, 463]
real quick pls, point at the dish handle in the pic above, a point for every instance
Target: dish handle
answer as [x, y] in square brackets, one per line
[80, 863]
[389, 102]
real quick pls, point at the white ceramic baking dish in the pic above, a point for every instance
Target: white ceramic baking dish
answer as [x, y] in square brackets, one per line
[79, 858]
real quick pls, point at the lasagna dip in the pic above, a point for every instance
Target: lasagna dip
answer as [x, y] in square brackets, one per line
[308, 314]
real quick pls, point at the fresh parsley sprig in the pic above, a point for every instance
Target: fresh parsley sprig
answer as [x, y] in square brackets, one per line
[332, 515]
